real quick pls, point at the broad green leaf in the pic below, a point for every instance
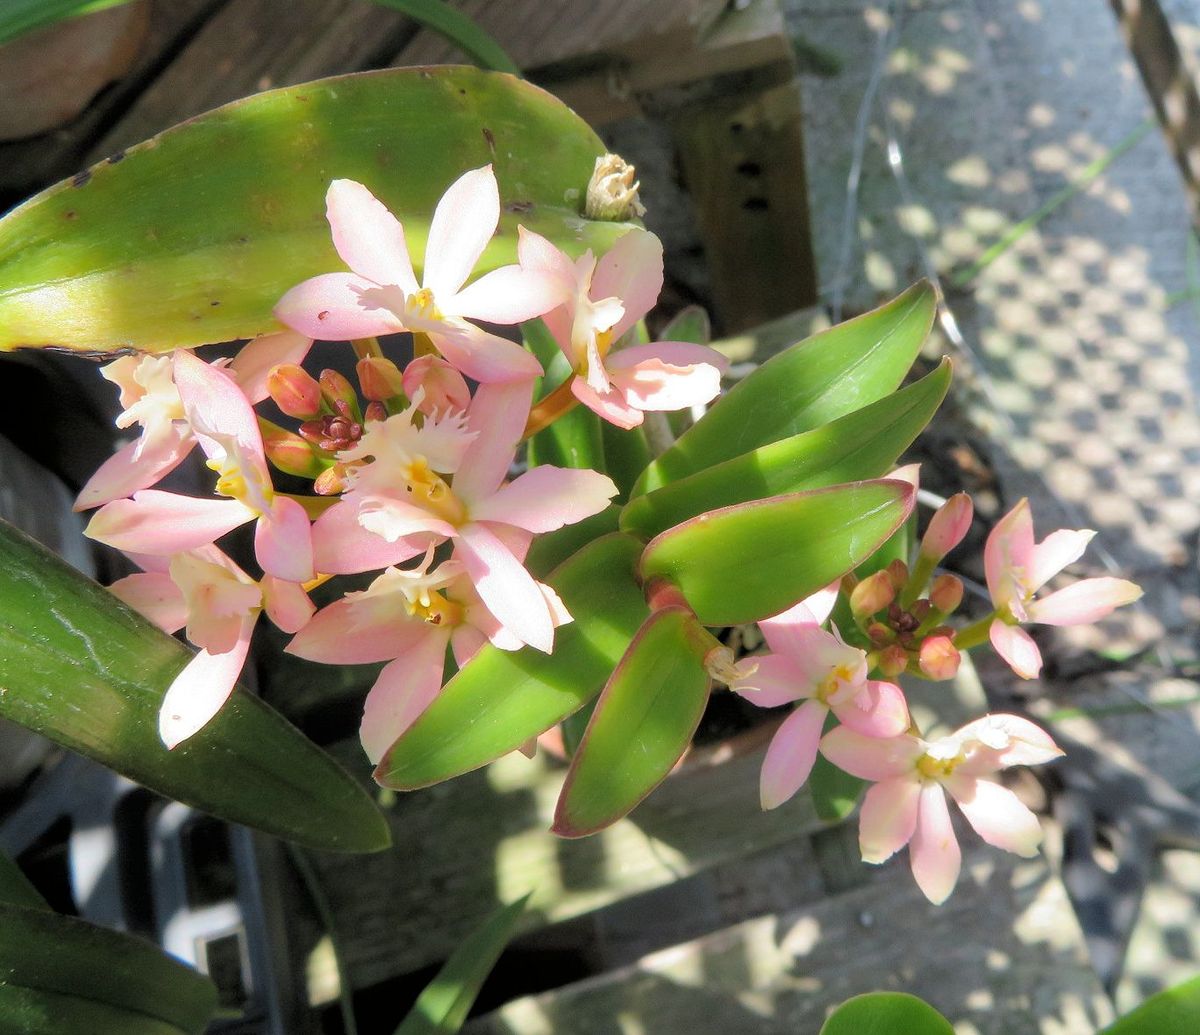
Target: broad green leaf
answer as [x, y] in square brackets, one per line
[643, 722]
[573, 440]
[813, 382]
[81, 668]
[15, 888]
[574, 726]
[886, 1013]
[740, 564]
[863, 444]
[834, 791]
[550, 550]
[460, 30]
[193, 236]
[502, 698]
[690, 324]
[626, 454]
[443, 1007]
[1175, 1011]
[59, 974]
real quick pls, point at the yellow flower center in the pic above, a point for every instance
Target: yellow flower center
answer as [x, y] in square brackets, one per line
[837, 678]
[230, 479]
[422, 304]
[939, 768]
[430, 491]
[436, 609]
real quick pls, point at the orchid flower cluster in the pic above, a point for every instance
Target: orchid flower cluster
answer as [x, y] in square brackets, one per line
[416, 478]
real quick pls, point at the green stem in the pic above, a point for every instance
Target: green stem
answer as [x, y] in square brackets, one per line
[974, 634]
[917, 581]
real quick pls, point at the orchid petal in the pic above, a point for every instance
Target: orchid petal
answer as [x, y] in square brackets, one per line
[368, 238]
[877, 710]
[534, 252]
[1016, 647]
[251, 366]
[286, 603]
[655, 385]
[341, 546]
[507, 589]
[404, 689]
[547, 498]
[159, 522]
[933, 852]
[497, 416]
[464, 221]
[359, 631]
[631, 270]
[610, 405]
[871, 758]
[791, 754]
[1008, 555]
[216, 406]
[155, 597]
[1084, 602]
[997, 814]
[508, 295]
[283, 541]
[998, 741]
[484, 357]
[775, 679]
[198, 692]
[1055, 552]
[888, 818]
[136, 465]
[466, 641]
[337, 307]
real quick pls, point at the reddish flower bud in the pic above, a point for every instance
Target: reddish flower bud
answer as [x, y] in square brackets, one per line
[442, 387]
[892, 661]
[947, 527]
[873, 594]
[337, 389]
[331, 481]
[379, 378]
[880, 634]
[946, 593]
[294, 391]
[939, 657]
[898, 573]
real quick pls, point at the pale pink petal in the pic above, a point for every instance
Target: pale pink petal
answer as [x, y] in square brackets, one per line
[888, 817]
[871, 758]
[286, 603]
[395, 519]
[136, 465]
[215, 403]
[1016, 647]
[813, 651]
[547, 498]
[333, 307]
[813, 610]
[682, 354]
[877, 710]
[283, 541]
[369, 239]
[1004, 740]
[484, 357]
[534, 252]
[510, 294]
[404, 689]
[996, 814]
[341, 546]
[157, 522]
[497, 415]
[791, 754]
[775, 680]
[631, 270]
[507, 589]
[359, 631]
[463, 222]
[654, 385]
[1008, 554]
[1084, 602]
[1054, 553]
[155, 597]
[198, 692]
[559, 323]
[466, 641]
[256, 360]
[949, 524]
[933, 852]
[442, 388]
[610, 406]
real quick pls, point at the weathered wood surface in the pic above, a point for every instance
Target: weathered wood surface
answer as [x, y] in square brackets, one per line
[1002, 957]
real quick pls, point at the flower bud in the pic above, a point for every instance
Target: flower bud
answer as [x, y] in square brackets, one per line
[294, 391]
[612, 192]
[331, 481]
[947, 527]
[892, 661]
[375, 411]
[435, 385]
[379, 378]
[939, 658]
[337, 389]
[873, 594]
[290, 453]
[880, 634]
[898, 573]
[946, 593]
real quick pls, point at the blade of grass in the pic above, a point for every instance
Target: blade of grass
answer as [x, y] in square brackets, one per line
[18, 17]
[460, 30]
[1090, 173]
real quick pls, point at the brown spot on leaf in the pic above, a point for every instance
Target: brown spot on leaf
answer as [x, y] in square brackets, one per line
[491, 140]
[80, 179]
[114, 158]
[518, 206]
[70, 214]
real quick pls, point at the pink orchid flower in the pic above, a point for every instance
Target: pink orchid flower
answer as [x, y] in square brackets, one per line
[381, 294]
[163, 523]
[1017, 568]
[219, 604]
[407, 618]
[599, 302]
[808, 664]
[401, 502]
[151, 400]
[907, 804]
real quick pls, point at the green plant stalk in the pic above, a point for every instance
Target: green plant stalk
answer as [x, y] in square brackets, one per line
[974, 634]
[460, 30]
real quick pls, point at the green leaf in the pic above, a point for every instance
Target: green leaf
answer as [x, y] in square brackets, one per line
[502, 698]
[626, 454]
[690, 324]
[863, 444]
[834, 791]
[886, 1013]
[59, 974]
[551, 549]
[15, 888]
[1175, 1011]
[460, 30]
[81, 668]
[193, 236]
[446, 1001]
[18, 17]
[740, 564]
[643, 723]
[573, 440]
[811, 383]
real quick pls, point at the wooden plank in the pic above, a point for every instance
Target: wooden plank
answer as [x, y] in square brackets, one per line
[254, 45]
[464, 845]
[1002, 957]
[743, 163]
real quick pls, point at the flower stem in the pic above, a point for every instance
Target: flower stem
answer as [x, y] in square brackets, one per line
[314, 506]
[975, 633]
[364, 347]
[549, 409]
[423, 345]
